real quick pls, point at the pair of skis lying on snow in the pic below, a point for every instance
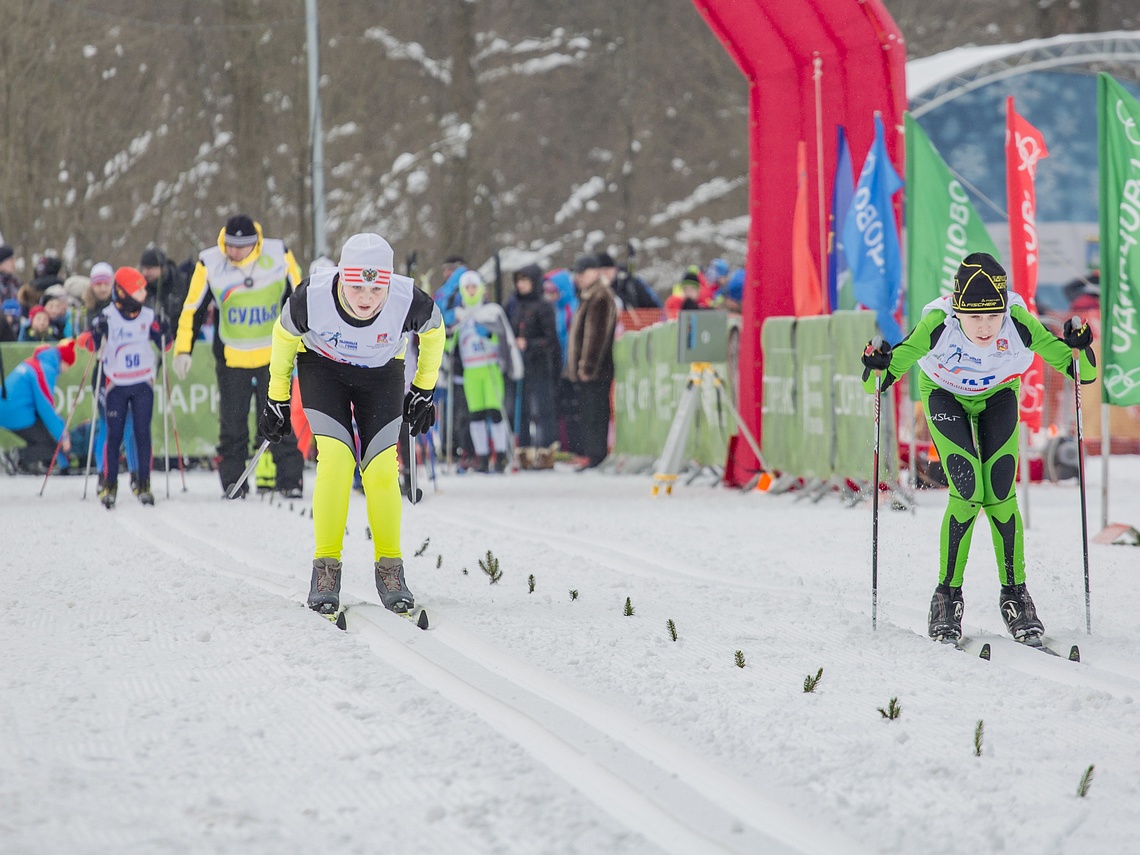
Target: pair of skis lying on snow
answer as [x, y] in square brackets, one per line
[1033, 643]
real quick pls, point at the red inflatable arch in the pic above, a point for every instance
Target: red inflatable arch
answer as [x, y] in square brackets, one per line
[862, 69]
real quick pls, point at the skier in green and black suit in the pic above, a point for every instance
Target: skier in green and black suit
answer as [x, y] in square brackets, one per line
[971, 348]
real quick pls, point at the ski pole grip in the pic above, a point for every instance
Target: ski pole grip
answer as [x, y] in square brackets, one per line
[877, 342]
[1076, 322]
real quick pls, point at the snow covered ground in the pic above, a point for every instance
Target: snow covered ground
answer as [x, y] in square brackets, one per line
[165, 690]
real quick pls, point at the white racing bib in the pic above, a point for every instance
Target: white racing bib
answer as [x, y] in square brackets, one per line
[958, 365]
[128, 356]
[369, 346]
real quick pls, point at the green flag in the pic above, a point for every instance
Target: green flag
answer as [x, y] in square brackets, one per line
[942, 226]
[1118, 131]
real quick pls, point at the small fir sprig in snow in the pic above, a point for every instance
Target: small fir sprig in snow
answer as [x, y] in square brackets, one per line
[628, 608]
[740, 663]
[979, 731]
[1086, 782]
[530, 583]
[892, 711]
[672, 627]
[573, 594]
[438, 561]
[423, 547]
[490, 566]
[811, 682]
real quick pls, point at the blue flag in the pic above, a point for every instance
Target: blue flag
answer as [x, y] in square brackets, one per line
[871, 239]
[842, 189]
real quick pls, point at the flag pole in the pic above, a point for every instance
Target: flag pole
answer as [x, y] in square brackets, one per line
[817, 76]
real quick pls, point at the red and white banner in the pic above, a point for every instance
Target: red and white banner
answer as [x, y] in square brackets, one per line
[1024, 147]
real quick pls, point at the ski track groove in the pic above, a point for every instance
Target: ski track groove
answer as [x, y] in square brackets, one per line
[1118, 678]
[602, 783]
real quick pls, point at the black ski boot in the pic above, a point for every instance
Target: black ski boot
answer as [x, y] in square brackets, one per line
[1019, 613]
[142, 490]
[945, 618]
[107, 495]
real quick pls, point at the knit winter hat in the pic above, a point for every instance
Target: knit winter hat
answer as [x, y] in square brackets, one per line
[75, 285]
[102, 272]
[154, 257]
[585, 262]
[471, 278]
[53, 292]
[365, 259]
[606, 260]
[35, 310]
[130, 283]
[67, 352]
[240, 231]
[979, 285]
[11, 306]
[6, 252]
[717, 268]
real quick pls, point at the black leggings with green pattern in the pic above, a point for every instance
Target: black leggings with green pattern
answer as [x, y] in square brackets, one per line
[977, 441]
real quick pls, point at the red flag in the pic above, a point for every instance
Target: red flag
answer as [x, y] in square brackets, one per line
[1024, 147]
[807, 296]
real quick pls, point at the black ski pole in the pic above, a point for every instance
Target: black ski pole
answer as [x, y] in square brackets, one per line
[876, 343]
[1076, 324]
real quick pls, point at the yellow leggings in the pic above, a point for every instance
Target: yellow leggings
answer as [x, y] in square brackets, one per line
[336, 464]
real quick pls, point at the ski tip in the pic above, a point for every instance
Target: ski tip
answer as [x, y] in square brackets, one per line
[1074, 654]
[422, 621]
[340, 620]
[985, 652]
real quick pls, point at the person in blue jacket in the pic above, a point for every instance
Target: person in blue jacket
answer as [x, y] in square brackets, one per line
[27, 406]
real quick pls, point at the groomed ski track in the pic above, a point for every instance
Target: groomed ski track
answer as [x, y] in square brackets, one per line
[656, 787]
[539, 722]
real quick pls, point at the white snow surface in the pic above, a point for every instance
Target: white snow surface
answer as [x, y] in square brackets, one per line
[166, 691]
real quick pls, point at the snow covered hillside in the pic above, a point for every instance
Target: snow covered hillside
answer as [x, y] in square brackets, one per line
[165, 690]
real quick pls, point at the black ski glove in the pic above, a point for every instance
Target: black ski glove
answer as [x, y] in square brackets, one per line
[274, 422]
[419, 411]
[876, 356]
[1079, 338]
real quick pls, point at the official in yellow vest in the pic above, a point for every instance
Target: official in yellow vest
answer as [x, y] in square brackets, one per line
[247, 277]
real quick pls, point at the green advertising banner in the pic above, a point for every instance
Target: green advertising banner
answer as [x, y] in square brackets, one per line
[854, 409]
[193, 401]
[1118, 131]
[814, 396]
[648, 385]
[781, 437]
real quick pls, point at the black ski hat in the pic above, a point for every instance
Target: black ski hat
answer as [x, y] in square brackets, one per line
[240, 231]
[979, 285]
[586, 262]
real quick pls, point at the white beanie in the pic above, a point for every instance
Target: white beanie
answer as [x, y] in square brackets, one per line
[102, 272]
[365, 259]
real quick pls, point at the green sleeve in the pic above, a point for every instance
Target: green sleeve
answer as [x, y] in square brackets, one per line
[908, 351]
[1051, 348]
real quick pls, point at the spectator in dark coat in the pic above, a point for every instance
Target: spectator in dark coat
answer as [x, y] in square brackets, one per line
[590, 363]
[166, 285]
[536, 334]
[9, 284]
[630, 291]
[47, 273]
[10, 321]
